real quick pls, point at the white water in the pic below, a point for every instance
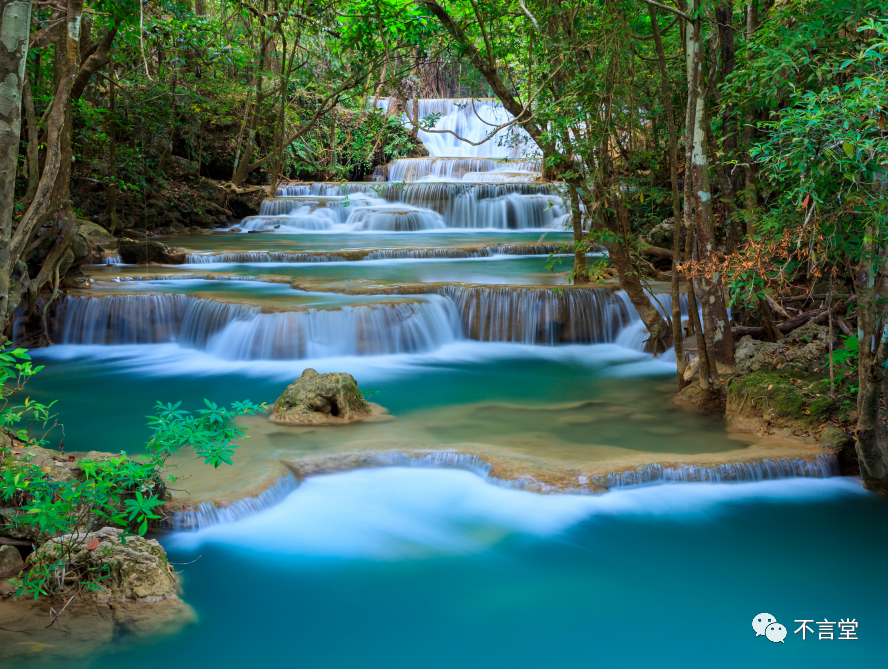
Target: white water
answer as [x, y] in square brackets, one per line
[473, 120]
[493, 185]
[232, 331]
[399, 513]
[237, 331]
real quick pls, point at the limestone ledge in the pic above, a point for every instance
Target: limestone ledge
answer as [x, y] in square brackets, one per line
[541, 475]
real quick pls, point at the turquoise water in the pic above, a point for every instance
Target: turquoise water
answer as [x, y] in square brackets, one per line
[504, 270]
[429, 568]
[408, 567]
[335, 241]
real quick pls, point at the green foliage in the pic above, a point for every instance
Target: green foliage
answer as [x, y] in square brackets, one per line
[118, 491]
[848, 355]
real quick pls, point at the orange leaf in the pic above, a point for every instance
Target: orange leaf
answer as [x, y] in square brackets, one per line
[806, 200]
[92, 544]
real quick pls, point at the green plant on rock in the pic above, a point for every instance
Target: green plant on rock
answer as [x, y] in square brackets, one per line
[117, 491]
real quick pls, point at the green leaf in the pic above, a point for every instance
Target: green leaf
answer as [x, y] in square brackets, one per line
[849, 148]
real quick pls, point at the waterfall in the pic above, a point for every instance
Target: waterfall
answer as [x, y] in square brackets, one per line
[235, 331]
[207, 513]
[767, 469]
[471, 252]
[541, 316]
[112, 258]
[121, 319]
[394, 218]
[386, 328]
[465, 169]
[636, 334]
[208, 258]
[473, 119]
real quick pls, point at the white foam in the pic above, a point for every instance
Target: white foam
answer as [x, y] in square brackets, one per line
[400, 513]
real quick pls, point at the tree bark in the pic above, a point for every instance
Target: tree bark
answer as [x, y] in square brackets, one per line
[666, 94]
[57, 166]
[581, 271]
[715, 317]
[872, 441]
[33, 144]
[15, 17]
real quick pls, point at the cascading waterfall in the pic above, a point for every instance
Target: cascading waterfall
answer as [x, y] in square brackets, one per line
[472, 119]
[234, 331]
[493, 185]
[388, 328]
[271, 256]
[394, 218]
[121, 319]
[476, 252]
[206, 514]
[420, 206]
[636, 334]
[823, 466]
[379, 254]
[455, 169]
[540, 316]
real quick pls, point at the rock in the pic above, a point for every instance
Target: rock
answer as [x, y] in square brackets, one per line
[200, 219]
[662, 235]
[176, 228]
[319, 398]
[810, 333]
[10, 560]
[804, 347]
[134, 234]
[94, 232]
[82, 248]
[139, 570]
[753, 354]
[140, 251]
[235, 230]
[418, 150]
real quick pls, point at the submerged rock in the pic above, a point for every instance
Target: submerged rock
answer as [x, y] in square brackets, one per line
[138, 570]
[320, 398]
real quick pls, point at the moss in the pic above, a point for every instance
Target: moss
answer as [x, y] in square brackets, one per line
[787, 395]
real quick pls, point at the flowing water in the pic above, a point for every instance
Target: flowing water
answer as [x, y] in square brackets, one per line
[421, 539]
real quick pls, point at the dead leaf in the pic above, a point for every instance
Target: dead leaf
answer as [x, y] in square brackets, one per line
[92, 544]
[771, 386]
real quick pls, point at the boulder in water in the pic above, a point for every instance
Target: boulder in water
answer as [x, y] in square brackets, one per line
[138, 570]
[141, 251]
[321, 398]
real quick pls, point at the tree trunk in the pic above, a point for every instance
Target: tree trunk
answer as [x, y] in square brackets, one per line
[666, 95]
[15, 16]
[872, 443]
[715, 316]
[110, 217]
[50, 195]
[581, 272]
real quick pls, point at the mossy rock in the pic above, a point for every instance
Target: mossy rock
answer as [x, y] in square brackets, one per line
[784, 395]
[138, 570]
[94, 232]
[321, 398]
[141, 251]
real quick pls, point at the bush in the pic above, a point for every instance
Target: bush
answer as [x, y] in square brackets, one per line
[119, 491]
